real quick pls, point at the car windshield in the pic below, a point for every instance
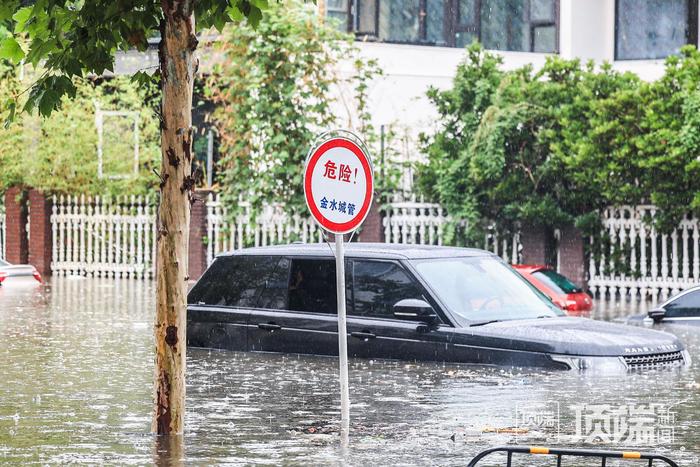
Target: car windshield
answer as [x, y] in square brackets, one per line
[481, 289]
[555, 281]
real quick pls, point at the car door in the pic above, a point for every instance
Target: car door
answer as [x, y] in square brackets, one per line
[298, 309]
[220, 302]
[377, 285]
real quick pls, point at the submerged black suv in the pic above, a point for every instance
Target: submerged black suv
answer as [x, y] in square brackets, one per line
[406, 302]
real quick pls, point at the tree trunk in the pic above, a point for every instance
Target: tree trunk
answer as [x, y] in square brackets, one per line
[177, 69]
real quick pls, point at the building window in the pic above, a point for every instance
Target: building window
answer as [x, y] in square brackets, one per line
[338, 11]
[519, 25]
[399, 20]
[650, 29]
[515, 25]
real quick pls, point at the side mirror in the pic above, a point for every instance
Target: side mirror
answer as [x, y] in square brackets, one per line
[657, 314]
[413, 309]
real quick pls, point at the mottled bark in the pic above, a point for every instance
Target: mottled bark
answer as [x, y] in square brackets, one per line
[177, 69]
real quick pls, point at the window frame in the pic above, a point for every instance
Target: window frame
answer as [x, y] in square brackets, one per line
[404, 269]
[451, 25]
[670, 310]
[354, 20]
[292, 258]
[258, 302]
[223, 258]
[691, 24]
[444, 318]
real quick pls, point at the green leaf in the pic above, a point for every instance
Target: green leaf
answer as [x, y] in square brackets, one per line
[49, 101]
[7, 9]
[235, 13]
[260, 4]
[254, 16]
[21, 18]
[11, 50]
[12, 109]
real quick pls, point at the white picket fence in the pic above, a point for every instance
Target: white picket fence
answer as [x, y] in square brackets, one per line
[3, 231]
[414, 222]
[638, 260]
[104, 237]
[423, 223]
[116, 238]
[405, 222]
[272, 226]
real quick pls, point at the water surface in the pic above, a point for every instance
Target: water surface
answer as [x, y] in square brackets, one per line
[76, 362]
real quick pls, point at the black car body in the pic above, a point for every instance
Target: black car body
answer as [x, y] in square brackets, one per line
[405, 302]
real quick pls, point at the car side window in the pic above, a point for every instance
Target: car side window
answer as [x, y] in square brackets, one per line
[378, 285]
[234, 281]
[275, 294]
[312, 286]
[687, 305]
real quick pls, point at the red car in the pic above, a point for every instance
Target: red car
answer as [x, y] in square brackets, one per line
[564, 293]
[11, 271]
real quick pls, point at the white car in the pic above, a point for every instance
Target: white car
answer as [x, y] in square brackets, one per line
[12, 271]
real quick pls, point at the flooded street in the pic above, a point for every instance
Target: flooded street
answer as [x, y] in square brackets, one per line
[76, 362]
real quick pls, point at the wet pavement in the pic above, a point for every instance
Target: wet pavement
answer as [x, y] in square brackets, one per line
[76, 368]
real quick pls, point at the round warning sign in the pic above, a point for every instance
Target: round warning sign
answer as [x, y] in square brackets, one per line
[338, 184]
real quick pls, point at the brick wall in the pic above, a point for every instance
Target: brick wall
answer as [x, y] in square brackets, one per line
[197, 252]
[372, 227]
[572, 259]
[40, 233]
[538, 245]
[16, 251]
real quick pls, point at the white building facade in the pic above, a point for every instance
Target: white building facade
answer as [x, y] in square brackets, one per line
[419, 43]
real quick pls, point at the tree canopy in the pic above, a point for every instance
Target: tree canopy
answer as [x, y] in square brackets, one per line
[72, 39]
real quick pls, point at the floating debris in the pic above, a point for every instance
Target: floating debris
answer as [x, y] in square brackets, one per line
[316, 428]
[509, 429]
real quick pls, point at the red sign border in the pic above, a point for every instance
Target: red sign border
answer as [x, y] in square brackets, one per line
[339, 227]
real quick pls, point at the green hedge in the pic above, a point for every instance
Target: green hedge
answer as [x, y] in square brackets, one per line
[555, 145]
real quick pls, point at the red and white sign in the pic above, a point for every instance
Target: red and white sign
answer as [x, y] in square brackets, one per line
[338, 184]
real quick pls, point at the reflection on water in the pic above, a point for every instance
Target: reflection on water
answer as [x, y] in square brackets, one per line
[609, 310]
[76, 366]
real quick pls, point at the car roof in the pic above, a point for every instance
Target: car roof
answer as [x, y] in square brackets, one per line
[363, 250]
[692, 289]
[530, 267]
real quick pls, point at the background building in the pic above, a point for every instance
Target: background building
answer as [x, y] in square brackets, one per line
[419, 43]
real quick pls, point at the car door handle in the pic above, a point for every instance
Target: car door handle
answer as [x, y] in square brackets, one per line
[363, 335]
[269, 326]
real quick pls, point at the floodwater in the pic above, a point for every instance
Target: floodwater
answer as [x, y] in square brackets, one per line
[76, 361]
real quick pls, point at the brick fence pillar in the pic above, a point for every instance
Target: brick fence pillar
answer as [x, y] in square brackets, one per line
[572, 256]
[16, 248]
[537, 243]
[197, 255]
[373, 228]
[40, 233]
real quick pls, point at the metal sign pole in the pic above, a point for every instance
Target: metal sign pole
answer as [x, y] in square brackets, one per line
[342, 338]
[338, 189]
